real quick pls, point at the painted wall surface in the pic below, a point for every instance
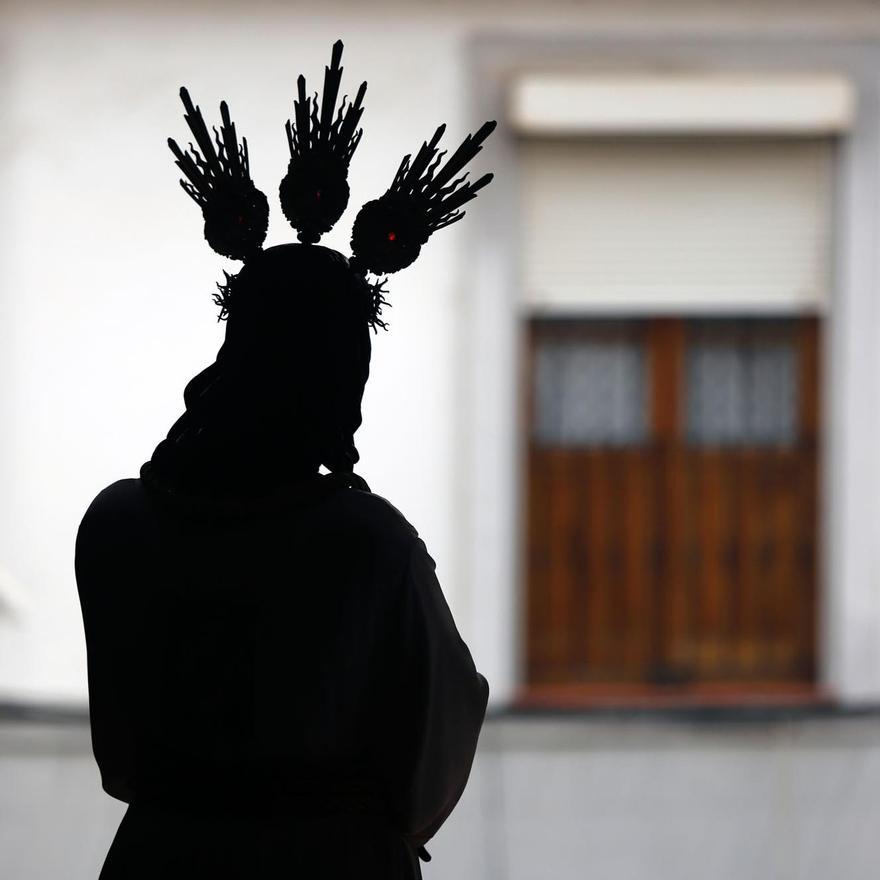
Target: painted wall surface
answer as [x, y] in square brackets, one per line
[106, 296]
[791, 799]
[105, 301]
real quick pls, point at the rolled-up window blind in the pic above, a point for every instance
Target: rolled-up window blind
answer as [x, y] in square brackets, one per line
[676, 224]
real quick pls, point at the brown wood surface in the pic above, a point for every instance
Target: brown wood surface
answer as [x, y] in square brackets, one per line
[669, 566]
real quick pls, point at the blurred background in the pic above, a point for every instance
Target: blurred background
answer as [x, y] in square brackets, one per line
[641, 385]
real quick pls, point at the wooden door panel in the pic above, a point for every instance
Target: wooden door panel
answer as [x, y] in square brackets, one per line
[593, 555]
[745, 544]
[668, 563]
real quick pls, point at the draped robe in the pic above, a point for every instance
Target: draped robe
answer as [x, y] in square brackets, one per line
[277, 687]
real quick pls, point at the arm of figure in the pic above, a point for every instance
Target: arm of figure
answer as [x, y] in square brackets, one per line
[436, 745]
[111, 731]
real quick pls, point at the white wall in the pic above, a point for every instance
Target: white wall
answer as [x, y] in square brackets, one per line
[106, 295]
[105, 307]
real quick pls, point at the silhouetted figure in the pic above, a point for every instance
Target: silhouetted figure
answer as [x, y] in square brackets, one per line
[277, 687]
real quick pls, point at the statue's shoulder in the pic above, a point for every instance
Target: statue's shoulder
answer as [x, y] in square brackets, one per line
[120, 498]
[114, 509]
[111, 534]
[371, 513]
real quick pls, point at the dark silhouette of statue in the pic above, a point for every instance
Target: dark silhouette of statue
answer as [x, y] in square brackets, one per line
[277, 686]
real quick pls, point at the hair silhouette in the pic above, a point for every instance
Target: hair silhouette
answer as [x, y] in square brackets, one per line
[284, 394]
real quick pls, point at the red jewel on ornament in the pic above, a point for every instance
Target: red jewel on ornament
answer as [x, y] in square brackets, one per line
[392, 235]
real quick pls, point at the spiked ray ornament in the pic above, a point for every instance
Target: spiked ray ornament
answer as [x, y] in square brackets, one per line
[389, 232]
[218, 180]
[425, 195]
[315, 191]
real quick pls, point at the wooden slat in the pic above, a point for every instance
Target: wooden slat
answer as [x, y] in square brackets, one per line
[718, 694]
[638, 535]
[808, 493]
[748, 632]
[596, 535]
[538, 629]
[615, 572]
[806, 570]
[671, 640]
[713, 580]
[560, 577]
[665, 342]
[763, 515]
[583, 642]
[777, 505]
[808, 375]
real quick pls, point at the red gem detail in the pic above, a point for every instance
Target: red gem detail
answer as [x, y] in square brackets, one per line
[392, 235]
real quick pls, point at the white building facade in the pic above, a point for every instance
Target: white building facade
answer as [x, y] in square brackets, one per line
[94, 369]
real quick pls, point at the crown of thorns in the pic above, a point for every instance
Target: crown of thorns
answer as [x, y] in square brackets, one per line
[388, 233]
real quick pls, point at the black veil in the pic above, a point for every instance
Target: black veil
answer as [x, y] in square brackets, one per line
[284, 394]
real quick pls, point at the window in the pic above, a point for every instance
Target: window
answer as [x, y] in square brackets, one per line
[672, 502]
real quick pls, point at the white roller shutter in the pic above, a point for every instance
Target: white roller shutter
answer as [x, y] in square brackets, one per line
[553, 104]
[676, 224]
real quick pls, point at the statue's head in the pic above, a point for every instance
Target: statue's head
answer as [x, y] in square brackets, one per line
[297, 351]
